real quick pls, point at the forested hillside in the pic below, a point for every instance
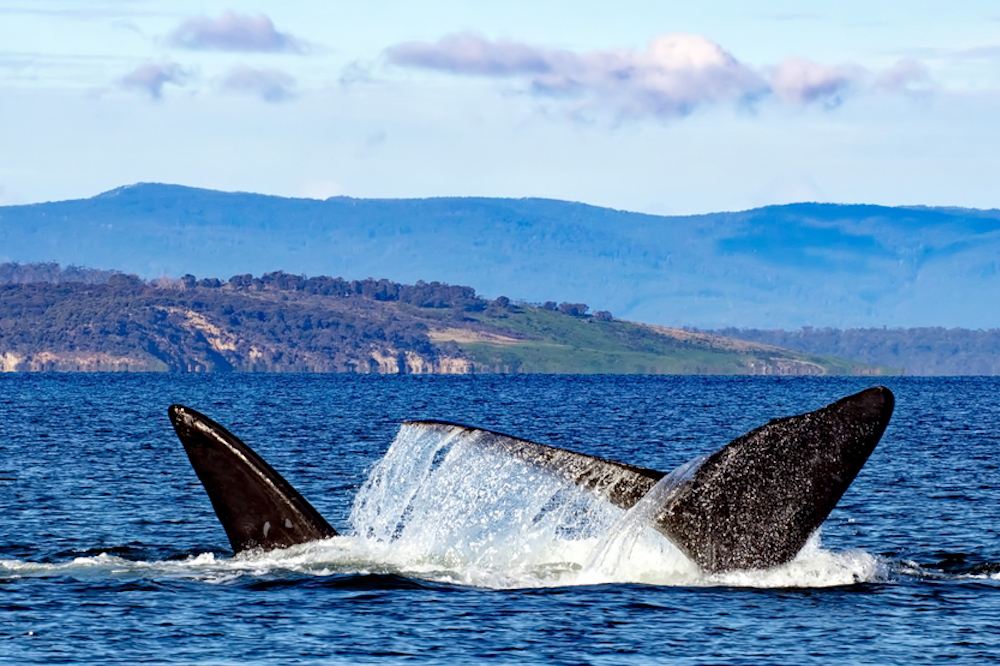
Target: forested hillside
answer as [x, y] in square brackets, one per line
[279, 322]
[289, 323]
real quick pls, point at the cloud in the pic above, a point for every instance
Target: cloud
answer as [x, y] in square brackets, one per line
[801, 81]
[983, 53]
[467, 53]
[901, 76]
[271, 85]
[234, 32]
[676, 74]
[151, 77]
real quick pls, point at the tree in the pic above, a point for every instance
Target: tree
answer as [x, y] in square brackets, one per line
[573, 309]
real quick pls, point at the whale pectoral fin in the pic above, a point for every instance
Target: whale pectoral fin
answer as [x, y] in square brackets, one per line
[755, 502]
[622, 485]
[257, 507]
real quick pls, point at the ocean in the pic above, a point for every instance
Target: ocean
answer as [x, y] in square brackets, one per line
[110, 551]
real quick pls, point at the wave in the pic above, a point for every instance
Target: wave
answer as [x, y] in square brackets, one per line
[560, 564]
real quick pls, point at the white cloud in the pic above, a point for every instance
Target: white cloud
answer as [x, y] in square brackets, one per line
[676, 74]
[801, 81]
[235, 32]
[151, 77]
[271, 85]
[468, 53]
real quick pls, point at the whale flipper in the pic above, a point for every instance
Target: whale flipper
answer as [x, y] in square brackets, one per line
[750, 505]
[256, 506]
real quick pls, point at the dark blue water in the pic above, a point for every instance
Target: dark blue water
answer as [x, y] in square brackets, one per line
[110, 551]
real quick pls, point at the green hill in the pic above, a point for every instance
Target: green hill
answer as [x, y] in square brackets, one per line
[551, 342]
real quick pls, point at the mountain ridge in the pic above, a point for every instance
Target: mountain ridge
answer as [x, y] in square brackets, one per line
[805, 264]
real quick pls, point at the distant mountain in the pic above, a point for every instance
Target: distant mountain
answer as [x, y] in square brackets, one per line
[286, 323]
[777, 267]
[938, 352]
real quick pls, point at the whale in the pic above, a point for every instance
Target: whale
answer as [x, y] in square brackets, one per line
[752, 504]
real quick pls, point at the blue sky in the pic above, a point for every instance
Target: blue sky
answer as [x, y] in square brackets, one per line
[662, 107]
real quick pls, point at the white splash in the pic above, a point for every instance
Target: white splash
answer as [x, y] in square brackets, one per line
[632, 545]
[438, 500]
[439, 505]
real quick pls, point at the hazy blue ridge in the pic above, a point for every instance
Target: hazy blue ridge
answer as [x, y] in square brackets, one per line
[928, 352]
[782, 267]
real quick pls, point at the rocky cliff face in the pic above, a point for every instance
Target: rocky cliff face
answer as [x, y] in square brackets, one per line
[65, 361]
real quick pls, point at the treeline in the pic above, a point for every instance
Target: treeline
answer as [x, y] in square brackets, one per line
[278, 322]
[422, 294]
[929, 351]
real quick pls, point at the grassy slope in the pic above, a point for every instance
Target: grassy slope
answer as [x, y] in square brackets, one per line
[557, 343]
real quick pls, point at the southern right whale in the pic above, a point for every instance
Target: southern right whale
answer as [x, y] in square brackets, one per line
[750, 505]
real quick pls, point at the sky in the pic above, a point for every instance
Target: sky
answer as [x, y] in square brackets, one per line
[660, 107]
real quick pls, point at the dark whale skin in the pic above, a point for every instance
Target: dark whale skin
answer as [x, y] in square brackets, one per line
[257, 507]
[750, 505]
